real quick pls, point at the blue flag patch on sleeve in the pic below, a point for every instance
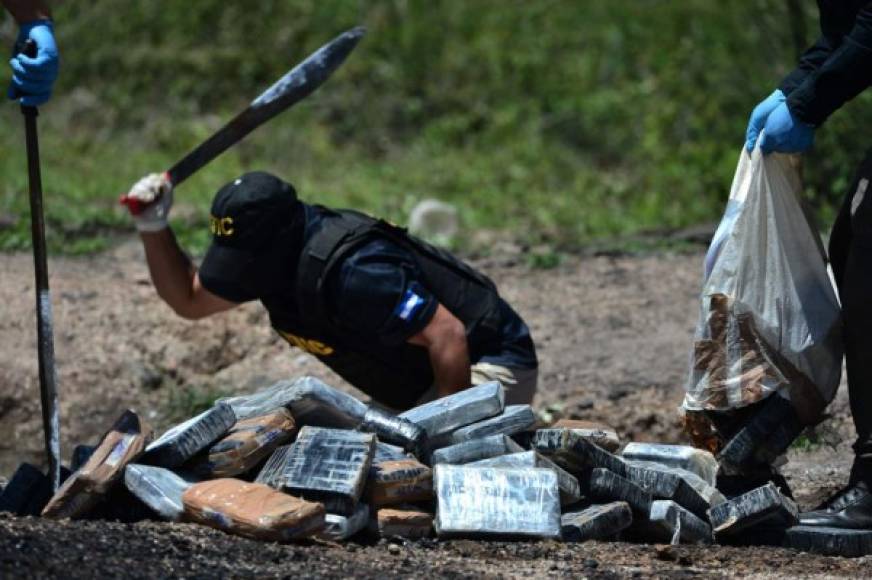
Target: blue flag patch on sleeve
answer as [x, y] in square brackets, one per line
[409, 306]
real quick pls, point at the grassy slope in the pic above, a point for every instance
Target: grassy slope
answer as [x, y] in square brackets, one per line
[558, 121]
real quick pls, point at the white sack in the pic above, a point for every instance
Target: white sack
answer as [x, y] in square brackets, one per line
[769, 321]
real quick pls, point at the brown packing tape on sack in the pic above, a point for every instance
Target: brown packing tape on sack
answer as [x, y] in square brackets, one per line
[122, 444]
[252, 510]
[246, 444]
[397, 482]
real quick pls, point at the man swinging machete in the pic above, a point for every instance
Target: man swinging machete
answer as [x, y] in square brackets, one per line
[401, 320]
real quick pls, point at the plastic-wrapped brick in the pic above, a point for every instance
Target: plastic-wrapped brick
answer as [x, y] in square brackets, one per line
[829, 541]
[402, 522]
[514, 419]
[339, 528]
[596, 522]
[252, 510]
[311, 401]
[762, 506]
[158, 488]
[183, 441]
[697, 461]
[601, 435]
[501, 501]
[273, 470]
[329, 466]
[570, 490]
[476, 449]
[575, 453]
[245, 445]
[668, 522]
[458, 410]
[122, 444]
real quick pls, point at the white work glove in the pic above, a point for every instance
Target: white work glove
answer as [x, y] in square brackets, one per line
[149, 202]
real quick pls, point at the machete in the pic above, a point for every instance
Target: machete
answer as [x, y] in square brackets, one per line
[296, 85]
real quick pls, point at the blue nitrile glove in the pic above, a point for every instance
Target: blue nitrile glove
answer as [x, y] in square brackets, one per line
[32, 78]
[759, 115]
[785, 133]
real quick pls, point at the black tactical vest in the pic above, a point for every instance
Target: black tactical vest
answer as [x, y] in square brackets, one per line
[394, 376]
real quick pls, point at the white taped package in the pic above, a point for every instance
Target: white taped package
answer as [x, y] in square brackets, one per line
[769, 319]
[482, 501]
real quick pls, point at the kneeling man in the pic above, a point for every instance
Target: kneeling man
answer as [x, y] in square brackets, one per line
[401, 320]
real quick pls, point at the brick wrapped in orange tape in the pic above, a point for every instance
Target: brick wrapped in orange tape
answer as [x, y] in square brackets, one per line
[247, 443]
[122, 444]
[252, 510]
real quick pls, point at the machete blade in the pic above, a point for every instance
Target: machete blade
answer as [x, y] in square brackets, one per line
[296, 85]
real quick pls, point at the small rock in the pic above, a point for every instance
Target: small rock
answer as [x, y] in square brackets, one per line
[434, 220]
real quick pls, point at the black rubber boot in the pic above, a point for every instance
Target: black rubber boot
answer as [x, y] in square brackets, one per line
[851, 508]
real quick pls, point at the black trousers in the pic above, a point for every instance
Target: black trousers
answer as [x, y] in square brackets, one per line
[851, 257]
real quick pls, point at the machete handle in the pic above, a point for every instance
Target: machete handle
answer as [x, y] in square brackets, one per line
[135, 206]
[27, 48]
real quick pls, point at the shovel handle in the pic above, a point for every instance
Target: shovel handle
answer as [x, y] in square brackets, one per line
[27, 48]
[45, 331]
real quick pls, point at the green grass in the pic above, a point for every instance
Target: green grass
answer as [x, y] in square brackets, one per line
[536, 190]
[561, 124]
[189, 401]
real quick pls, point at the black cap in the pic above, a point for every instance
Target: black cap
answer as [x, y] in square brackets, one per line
[247, 216]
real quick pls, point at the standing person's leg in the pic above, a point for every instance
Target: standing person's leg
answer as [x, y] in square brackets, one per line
[851, 257]
[855, 290]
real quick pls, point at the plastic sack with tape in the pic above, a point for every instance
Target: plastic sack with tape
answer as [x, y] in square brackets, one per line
[769, 331]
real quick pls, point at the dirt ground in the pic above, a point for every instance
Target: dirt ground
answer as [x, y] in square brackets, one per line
[613, 334]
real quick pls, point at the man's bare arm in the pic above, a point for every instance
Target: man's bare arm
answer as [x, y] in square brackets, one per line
[444, 337]
[175, 277]
[27, 10]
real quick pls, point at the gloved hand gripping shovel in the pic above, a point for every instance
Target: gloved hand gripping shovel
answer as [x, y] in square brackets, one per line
[45, 341]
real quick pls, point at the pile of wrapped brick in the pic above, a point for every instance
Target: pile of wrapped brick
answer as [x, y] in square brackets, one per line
[302, 459]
